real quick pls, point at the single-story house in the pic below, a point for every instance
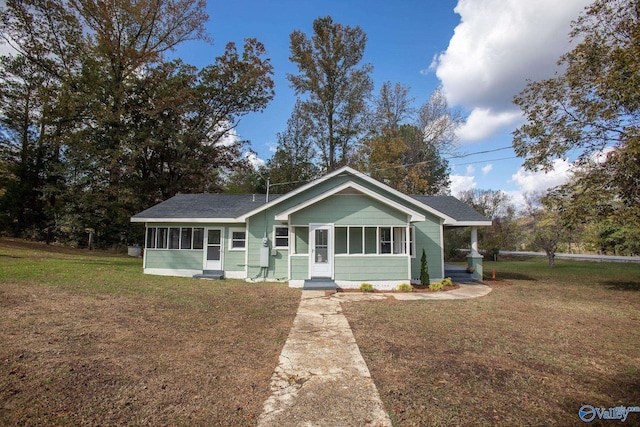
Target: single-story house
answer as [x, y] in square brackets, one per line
[345, 227]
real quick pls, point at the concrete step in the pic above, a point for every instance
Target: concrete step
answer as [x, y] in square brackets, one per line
[210, 274]
[319, 285]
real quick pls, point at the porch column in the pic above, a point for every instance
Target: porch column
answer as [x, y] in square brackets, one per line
[474, 259]
[474, 241]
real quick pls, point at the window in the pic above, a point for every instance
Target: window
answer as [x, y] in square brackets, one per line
[238, 239]
[185, 239]
[371, 240]
[198, 238]
[161, 242]
[341, 240]
[355, 240]
[151, 237]
[399, 240]
[385, 240]
[281, 237]
[375, 240]
[174, 238]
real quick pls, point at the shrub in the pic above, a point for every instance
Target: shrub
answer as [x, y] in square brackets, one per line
[366, 287]
[405, 287]
[436, 286]
[447, 281]
[424, 269]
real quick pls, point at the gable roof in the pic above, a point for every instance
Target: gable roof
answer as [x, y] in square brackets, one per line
[414, 215]
[234, 208]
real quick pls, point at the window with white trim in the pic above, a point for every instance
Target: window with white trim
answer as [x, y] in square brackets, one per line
[358, 240]
[238, 241]
[175, 238]
[281, 237]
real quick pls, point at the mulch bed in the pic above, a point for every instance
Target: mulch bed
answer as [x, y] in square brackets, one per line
[416, 288]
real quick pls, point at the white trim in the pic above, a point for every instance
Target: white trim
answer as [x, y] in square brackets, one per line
[469, 224]
[230, 239]
[330, 248]
[188, 220]
[246, 253]
[178, 272]
[442, 249]
[273, 235]
[234, 274]
[205, 246]
[414, 216]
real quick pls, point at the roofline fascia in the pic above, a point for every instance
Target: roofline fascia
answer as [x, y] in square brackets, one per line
[469, 224]
[190, 220]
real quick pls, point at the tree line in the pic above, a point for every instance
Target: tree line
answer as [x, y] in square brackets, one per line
[97, 124]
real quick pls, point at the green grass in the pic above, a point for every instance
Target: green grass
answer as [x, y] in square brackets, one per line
[540, 345]
[88, 339]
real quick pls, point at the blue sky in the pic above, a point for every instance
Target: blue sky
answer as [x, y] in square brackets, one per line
[479, 51]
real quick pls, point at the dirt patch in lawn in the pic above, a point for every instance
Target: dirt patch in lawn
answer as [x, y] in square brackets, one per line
[529, 353]
[206, 358]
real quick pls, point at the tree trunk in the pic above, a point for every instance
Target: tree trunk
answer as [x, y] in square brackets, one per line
[551, 255]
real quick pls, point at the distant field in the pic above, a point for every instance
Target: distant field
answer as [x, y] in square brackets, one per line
[87, 339]
[532, 352]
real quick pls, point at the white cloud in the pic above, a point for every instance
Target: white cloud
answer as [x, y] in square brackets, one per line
[532, 182]
[470, 170]
[460, 183]
[255, 161]
[486, 169]
[484, 122]
[497, 46]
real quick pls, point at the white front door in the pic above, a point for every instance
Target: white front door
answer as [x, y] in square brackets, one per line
[213, 252]
[321, 259]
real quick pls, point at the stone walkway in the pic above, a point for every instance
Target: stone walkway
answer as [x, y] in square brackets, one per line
[321, 378]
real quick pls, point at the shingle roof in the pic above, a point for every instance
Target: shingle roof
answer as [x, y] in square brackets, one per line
[230, 206]
[453, 208]
[204, 206]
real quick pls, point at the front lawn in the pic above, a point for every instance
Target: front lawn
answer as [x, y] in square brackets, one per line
[87, 339]
[530, 353]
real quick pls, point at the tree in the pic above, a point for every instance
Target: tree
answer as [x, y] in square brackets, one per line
[124, 126]
[392, 107]
[595, 101]
[550, 224]
[439, 123]
[495, 205]
[405, 156]
[336, 86]
[424, 269]
[292, 165]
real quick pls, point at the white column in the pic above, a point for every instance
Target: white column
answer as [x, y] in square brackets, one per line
[474, 241]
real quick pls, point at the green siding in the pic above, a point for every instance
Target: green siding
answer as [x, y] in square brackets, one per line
[174, 259]
[299, 267]
[428, 238]
[349, 210]
[371, 268]
[277, 269]
[233, 260]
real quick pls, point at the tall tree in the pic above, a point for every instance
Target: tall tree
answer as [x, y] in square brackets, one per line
[132, 127]
[392, 107]
[336, 85]
[293, 164]
[595, 101]
[439, 123]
